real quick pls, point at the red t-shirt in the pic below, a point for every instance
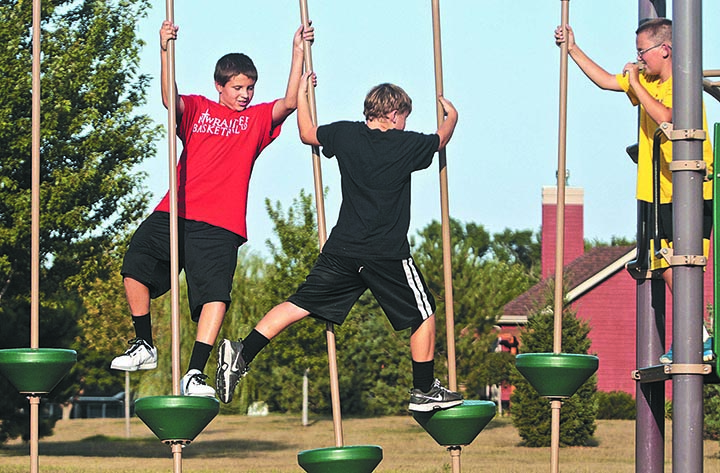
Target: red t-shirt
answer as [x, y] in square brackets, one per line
[220, 147]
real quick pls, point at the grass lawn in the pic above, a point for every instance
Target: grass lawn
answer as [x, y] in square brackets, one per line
[271, 444]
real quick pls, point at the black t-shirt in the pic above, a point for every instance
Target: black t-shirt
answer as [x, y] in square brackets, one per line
[375, 168]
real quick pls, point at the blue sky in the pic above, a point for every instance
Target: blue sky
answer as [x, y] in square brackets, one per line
[501, 71]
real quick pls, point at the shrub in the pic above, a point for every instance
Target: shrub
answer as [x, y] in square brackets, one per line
[615, 405]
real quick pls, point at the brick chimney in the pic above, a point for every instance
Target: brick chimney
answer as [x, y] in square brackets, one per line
[574, 244]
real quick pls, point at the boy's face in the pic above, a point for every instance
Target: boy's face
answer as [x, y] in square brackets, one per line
[650, 53]
[237, 93]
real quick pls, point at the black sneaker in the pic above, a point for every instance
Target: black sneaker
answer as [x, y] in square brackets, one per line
[436, 398]
[231, 367]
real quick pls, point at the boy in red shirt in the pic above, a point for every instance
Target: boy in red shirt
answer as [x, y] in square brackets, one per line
[221, 141]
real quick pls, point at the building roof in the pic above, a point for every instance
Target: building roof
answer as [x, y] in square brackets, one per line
[581, 275]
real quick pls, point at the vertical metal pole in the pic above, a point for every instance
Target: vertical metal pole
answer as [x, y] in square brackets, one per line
[455, 451]
[174, 244]
[322, 237]
[687, 225]
[172, 170]
[34, 433]
[556, 405]
[35, 229]
[560, 220]
[127, 404]
[650, 336]
[35, 197]
[444, 206]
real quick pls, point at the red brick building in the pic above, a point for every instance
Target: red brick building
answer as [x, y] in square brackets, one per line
[600, 290]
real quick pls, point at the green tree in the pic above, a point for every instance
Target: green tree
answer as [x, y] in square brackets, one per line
[91, 140]
[531, 413]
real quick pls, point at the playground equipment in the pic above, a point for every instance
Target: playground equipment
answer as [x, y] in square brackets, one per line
[687, 372]
[176, 419]
[459, 425]
[35, 371]
[558, 375]
[352, 459]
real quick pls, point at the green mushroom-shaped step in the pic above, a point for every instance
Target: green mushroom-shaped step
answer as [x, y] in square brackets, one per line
[36, 370]
[458, 425]
[348, 459]
[556, 375]
[177, 419]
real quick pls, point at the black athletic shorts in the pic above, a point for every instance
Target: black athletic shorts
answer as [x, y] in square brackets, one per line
[665, 217]
[336, 282]
[207, 253]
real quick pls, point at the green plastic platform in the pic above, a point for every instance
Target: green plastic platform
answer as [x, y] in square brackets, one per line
[177, 419]
[556, 375]
[350, 459]
[36, 370]
[458, 425]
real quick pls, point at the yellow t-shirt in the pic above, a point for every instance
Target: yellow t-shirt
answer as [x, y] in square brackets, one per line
[662, 91]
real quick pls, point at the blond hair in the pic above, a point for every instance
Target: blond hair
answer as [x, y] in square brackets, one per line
[383, 99]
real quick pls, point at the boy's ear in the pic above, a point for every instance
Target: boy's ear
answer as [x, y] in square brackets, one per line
[392, 116]
[218, 87]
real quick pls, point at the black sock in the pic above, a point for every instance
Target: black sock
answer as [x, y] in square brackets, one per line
[423, 375]
[200, 354]
[252, 344]
[143, 328]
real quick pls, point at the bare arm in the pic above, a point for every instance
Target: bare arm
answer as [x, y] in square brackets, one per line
[308, 131]
[168, 32]
[657, 111]
[446, 129]
[592, 70]
[287, 105]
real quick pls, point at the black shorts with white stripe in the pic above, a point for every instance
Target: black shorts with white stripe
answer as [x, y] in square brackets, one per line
[336, 282]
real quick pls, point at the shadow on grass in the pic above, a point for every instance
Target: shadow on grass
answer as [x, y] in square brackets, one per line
[102, 446]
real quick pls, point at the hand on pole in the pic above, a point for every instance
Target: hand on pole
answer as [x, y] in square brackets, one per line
[302, 35]
[565, 35]
[305, 83]
[168, 32]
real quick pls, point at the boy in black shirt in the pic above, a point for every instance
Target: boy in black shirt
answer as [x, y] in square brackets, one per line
[368, 247]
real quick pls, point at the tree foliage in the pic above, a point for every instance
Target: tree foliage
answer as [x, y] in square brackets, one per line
[531, 413]
[91, 140]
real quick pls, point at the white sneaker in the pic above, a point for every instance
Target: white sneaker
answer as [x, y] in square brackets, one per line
[140, 356]
[193, 384]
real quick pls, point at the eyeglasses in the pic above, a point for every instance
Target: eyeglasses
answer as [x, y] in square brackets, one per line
[642, 52]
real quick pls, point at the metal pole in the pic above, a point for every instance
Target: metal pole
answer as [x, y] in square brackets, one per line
[35, 230]
[322, 237]
[174, 244]
[172, 170]
[650, 335]
[455, 451]
[687, 225]
[127, 404]
[444, 206]
[560, 220]
[556, 405]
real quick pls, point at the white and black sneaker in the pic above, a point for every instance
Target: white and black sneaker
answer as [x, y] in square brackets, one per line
[193, 384]
[140, 356]
[436, 398]
[231, 367]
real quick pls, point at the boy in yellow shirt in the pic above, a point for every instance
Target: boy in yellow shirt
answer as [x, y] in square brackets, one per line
[648, 84]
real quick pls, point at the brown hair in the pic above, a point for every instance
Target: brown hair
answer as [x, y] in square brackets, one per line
[659, 29]
[383, 99]
[233, 64]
